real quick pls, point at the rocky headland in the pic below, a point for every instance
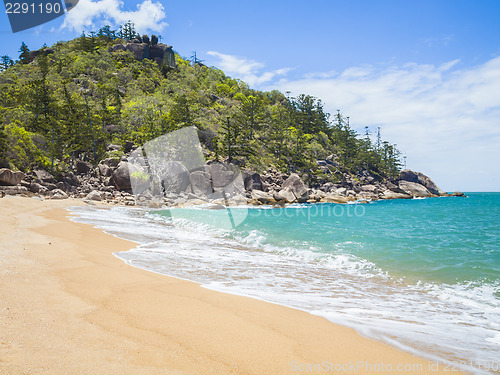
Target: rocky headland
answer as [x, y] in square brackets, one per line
[115, 181]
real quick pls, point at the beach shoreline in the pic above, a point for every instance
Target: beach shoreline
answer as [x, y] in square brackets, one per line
[68, 305]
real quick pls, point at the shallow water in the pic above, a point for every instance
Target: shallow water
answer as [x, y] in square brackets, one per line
[422, 275]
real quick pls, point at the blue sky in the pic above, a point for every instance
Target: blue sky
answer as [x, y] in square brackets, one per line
[426, 72]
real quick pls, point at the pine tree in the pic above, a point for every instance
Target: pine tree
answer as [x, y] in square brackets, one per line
[25, 54]
[5, 62]
[127, 31]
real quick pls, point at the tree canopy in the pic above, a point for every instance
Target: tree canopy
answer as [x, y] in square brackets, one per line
[73, 102]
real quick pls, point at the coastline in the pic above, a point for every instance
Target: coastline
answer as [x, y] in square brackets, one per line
[78, 309]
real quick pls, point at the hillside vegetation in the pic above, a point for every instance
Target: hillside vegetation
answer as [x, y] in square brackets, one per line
[74, 99]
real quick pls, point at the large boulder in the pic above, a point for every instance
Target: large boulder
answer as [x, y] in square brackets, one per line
[414, 189]
[389, 194]
[94, 195]
[223, 174]
[160, 53]
[201, 183]
[285, 195]
[252, 181]
[422, 179]
[37, 188]
[13, 190]
[70, 179]
[82, 167]
[296, 186]
[10, 178]
[334, 198]
[263, 197]
[58, 194]
[121, 176]
[369, 189]
[408, 175]
[44, 176]
[430, 185]
[175, 177]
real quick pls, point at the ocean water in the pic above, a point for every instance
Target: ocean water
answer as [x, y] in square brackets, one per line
[422, 275]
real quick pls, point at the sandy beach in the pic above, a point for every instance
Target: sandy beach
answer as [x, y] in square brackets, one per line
[69, 306]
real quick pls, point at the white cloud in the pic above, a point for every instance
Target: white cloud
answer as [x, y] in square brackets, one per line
[247, 70]
[90, 14]
[446, 120]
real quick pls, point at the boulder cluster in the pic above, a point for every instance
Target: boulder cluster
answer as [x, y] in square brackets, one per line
[118, 181]
[146, 48]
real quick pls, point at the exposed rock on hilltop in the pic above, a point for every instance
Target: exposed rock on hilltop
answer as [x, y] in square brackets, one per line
[144, 48]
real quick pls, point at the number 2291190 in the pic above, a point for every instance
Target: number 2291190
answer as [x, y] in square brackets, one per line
[24, 8]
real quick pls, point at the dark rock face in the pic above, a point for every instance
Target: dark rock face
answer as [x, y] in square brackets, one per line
[408, 175]
[10, 178]
[252, 181]
[160, 53]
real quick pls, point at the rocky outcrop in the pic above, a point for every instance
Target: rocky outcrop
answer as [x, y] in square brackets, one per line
[10, 178]
[144, 49]
[420, 178]
[127, 181]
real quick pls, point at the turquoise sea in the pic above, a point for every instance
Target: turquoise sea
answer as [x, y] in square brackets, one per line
[420, 274]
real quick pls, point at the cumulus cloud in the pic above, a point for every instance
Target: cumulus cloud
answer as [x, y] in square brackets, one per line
[89, 14]
[445, 119]
[247, 70]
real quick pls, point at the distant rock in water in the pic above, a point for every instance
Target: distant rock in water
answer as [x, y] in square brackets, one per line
[143, 48]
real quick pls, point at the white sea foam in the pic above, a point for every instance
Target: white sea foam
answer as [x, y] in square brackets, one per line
[441, 322]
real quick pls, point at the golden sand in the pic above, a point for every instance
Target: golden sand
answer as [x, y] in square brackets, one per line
[68, 306]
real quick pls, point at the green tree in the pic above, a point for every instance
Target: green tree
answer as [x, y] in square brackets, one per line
[233, 142]
[127, 31]
[5, 62]
[24, 57]
[278, 135]
[252, 113]
[106, 33]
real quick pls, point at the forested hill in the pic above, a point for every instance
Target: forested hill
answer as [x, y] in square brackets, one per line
[74, 99]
